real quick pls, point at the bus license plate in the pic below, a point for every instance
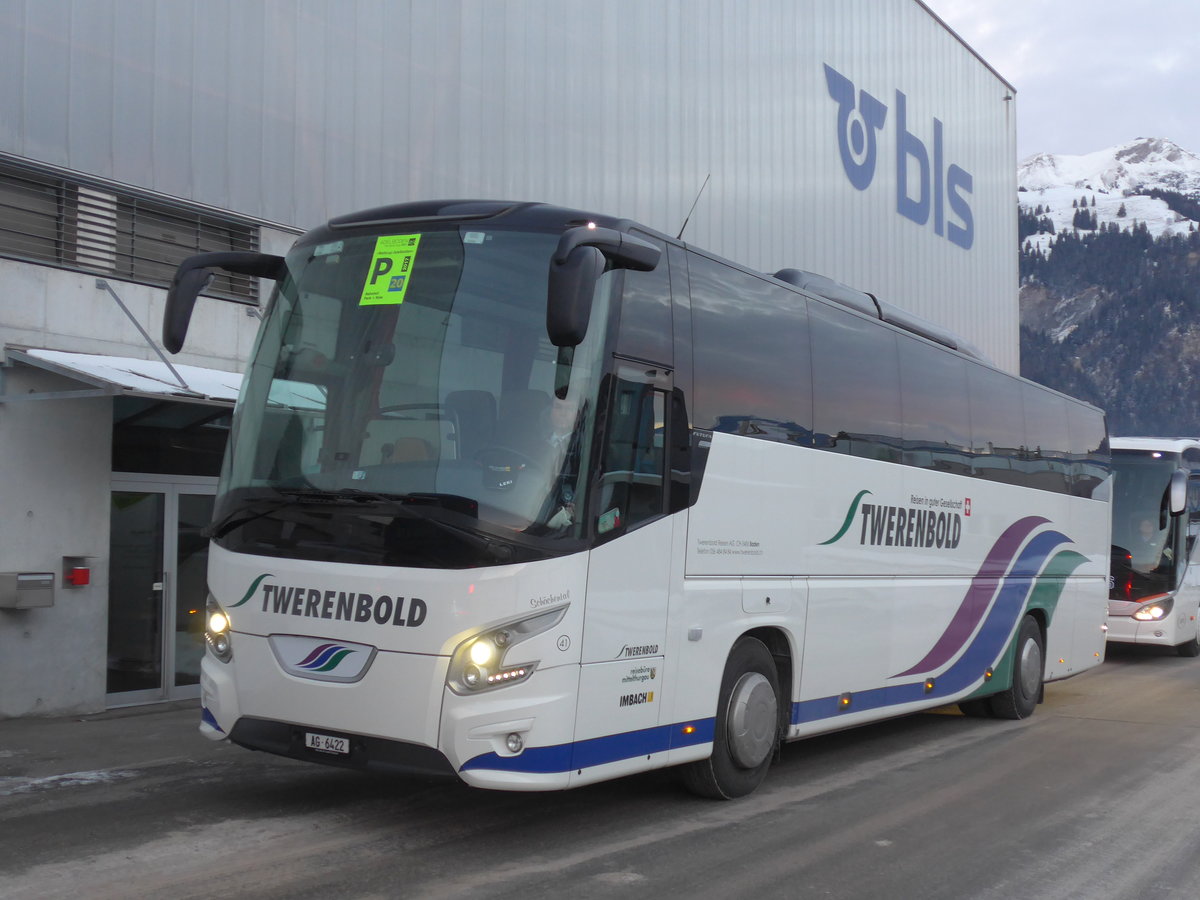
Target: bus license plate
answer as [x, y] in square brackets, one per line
[326, 743]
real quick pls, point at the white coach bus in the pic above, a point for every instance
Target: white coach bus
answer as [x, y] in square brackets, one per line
[1155, 594]
[540, 498]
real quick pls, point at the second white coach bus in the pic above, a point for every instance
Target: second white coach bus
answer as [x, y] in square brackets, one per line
[539, 498]
[1155, 595]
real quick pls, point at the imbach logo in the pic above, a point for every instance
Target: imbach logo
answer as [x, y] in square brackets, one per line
[860, 119]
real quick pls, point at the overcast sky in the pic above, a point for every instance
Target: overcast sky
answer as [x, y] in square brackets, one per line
[1090, 74]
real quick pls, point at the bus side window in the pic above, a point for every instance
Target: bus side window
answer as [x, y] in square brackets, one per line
[856, 385]
[937, 419]
[1089, 449]
[645, 327]
[997, 426]
[752, 369]
[1193, 513]
[1047, 440]
[631, 480]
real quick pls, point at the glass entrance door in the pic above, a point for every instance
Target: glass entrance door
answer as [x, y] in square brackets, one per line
[158, 560]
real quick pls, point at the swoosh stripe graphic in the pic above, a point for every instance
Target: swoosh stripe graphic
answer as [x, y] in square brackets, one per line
[1050, 583]
[984, 651]
[849, 519]
[322, 662]
[335, 660]
[253, 588]
[1001, 622]
[978, 597]
[315, 655]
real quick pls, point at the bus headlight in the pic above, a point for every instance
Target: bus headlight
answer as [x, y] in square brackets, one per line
[1155, 610]
[217, 631]
[479, 663]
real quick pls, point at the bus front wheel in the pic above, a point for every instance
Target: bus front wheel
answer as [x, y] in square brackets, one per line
[1189, 648]
[747, 727]
[1029, 667]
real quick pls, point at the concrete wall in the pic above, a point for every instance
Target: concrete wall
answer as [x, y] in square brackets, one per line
[51, 308]
[55, 496]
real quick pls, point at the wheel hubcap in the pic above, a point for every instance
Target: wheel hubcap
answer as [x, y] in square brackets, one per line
[753, 717]
[1031, 667]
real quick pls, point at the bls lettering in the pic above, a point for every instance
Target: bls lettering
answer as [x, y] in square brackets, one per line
[925, 185]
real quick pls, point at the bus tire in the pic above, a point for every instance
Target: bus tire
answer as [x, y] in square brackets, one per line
[1029, 667]
[747, 728]
[1189, 648]
[980, 708]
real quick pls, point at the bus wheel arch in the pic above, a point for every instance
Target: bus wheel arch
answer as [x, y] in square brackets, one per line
[1022, 696]
[748, 723]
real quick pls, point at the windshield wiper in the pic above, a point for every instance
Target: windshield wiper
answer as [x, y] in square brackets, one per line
[243, 516]
[264, 506]
[416, 506]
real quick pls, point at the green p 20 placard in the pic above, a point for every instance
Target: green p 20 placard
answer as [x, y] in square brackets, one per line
[391, 266]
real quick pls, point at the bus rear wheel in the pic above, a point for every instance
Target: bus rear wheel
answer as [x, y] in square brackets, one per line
[747, 727]
[1029, 667]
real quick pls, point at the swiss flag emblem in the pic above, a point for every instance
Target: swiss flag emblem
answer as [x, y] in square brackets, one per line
[967, 506]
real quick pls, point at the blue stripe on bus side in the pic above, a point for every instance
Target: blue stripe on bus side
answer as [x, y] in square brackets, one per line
[207, 718]
[597, 751]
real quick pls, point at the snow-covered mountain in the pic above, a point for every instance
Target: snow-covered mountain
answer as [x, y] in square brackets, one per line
[1115, 185]
[1110, 298]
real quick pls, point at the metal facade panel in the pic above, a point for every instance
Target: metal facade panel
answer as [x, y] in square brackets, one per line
[295, 111]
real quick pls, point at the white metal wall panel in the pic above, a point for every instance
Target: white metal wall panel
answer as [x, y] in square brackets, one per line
[296, 111]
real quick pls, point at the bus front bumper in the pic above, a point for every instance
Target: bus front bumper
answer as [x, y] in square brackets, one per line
[1128, 630]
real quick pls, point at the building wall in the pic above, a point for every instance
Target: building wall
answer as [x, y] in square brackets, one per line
[54, 491]
[42, 306]
[293, 112]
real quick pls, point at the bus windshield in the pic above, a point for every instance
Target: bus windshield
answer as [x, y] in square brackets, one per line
[404, 406]
[1147, 551]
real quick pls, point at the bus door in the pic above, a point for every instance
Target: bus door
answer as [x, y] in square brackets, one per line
[630, 569]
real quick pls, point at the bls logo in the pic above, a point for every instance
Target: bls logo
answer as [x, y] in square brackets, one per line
[860, 119]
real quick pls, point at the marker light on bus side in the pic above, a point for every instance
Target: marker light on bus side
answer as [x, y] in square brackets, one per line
[478, 662]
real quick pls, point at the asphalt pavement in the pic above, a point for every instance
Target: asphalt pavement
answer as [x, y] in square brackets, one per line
[84, 749]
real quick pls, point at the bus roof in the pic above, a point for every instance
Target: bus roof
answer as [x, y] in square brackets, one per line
[1162, 444]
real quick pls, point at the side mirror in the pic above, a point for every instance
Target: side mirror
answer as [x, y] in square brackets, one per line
[580, 259]
[195, 274]
[1178, 492]
[569, 300]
